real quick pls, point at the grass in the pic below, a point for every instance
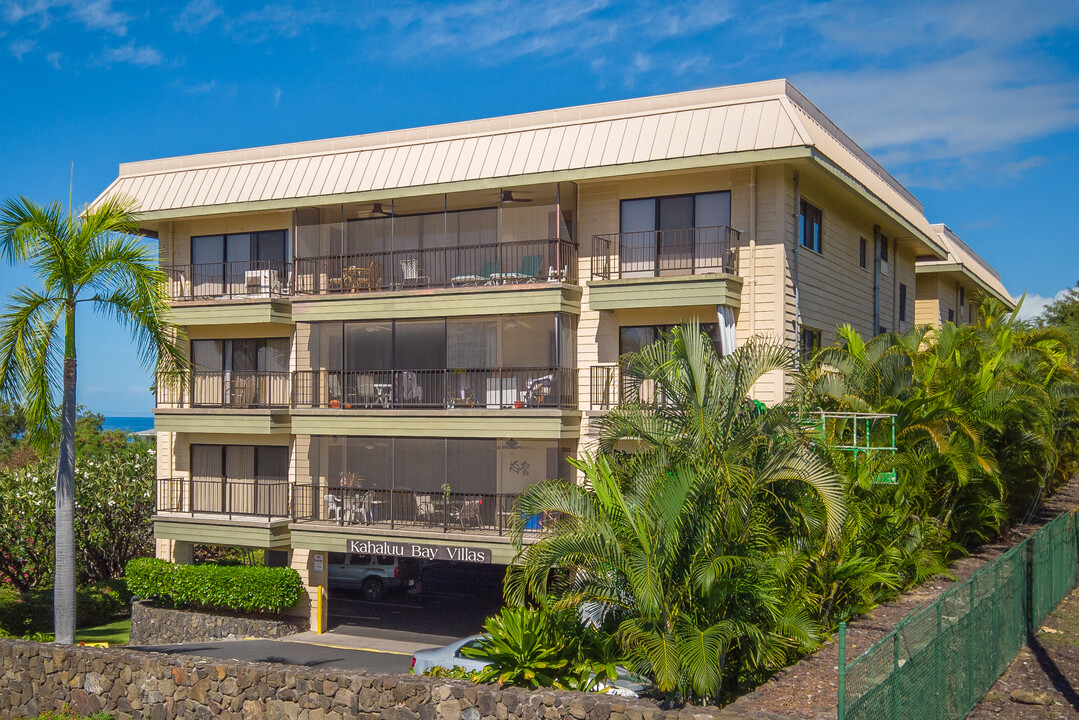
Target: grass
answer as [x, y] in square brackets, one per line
[115, 633]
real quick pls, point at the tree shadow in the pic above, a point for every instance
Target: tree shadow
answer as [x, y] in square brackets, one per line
[1057, 678]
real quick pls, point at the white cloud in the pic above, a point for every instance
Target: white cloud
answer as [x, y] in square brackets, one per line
[99, 15]
[139, 55]
[1034, 305]
[946, 109]
[53, 58]
[197, 15]
[19, 48]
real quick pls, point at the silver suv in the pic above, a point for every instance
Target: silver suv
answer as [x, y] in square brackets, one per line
[373, 575]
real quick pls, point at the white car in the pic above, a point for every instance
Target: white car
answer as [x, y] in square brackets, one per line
[451, 656]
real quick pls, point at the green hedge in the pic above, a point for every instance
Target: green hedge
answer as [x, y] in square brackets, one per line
[215, 587]
[95, 604]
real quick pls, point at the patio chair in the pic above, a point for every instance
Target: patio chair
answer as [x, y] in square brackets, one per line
[412, 274]
[354, 278]
[467, 514]
[538, 390]
[333, 507]
[365, 390]
[530, 267]
[336, 397]
[425, 508]
[364, 510]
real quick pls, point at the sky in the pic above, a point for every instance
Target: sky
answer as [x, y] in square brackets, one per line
[974, 106]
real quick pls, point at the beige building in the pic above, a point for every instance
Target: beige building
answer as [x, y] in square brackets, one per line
[393, 334]
[950, 288]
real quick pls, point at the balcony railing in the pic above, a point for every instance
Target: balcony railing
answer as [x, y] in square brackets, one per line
[662, 253]
[228, 280]
[443, 389]
[232, 389]
[608, 387]
[488, 513]
[260, 497]
[528, 261]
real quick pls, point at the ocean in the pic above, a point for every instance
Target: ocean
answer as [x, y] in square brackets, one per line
[130, 424]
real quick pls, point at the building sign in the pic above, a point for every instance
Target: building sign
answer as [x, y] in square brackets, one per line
[394, 548]
[317, 562]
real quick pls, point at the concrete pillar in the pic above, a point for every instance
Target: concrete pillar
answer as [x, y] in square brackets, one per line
[311, 565]
[176, 551]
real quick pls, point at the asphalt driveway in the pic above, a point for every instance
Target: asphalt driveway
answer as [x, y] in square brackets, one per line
[292, 653]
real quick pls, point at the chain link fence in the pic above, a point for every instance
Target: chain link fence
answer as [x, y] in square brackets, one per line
[939, 661]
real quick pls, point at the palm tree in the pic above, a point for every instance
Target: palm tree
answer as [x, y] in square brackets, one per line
[691, 543]
[91, 260]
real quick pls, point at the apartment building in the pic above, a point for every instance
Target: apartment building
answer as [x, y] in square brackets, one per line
[950, 288]
[393, 334]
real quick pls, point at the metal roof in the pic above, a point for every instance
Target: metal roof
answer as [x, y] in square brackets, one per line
[769, 115]
[962, 259]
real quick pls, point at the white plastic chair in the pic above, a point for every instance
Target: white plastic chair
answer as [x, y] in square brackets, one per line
[333, 506]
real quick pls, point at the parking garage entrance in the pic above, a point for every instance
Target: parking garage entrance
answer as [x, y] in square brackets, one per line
[388, 584]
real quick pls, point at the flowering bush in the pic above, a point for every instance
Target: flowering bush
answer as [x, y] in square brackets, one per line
[114, 482]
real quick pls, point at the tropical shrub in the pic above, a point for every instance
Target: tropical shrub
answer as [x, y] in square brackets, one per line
[536, 647]
[694, 546]
[216, 587]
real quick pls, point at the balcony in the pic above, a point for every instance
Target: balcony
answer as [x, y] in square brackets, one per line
[228, 389]
[247, 279]
[517, 388]
[479, 265]
[665, 268]
[405, 510]
[261, 498]
[608, 388]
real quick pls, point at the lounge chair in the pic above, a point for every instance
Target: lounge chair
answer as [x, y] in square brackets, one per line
[412, 274]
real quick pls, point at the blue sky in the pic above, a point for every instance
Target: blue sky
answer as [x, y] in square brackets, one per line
[974, 105]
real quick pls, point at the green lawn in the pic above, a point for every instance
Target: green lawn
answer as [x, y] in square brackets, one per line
[115, 633]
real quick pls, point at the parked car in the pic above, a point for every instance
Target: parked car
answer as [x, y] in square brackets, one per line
[626, 685]
[373, 575]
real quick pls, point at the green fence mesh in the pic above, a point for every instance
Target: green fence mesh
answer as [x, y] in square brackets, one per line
[938, 662]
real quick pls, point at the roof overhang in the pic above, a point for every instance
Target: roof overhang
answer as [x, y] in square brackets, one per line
[959, 271]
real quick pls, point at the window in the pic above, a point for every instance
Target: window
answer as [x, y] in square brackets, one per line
[810, 343]
[809, 230]
[634, 338]
[863, 260]
[951, 316]
[269, 245]
[902, 302]
[962, 296]
[883, 249]
[673, 235]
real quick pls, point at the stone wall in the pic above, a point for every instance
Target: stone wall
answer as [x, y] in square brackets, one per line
[35, 677]
[152, 625]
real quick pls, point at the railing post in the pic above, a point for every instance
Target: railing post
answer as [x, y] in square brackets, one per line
[894, 678]
[190, 495]
[841, 685]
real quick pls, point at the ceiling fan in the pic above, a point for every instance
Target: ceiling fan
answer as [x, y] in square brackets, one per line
[376, 211]
[507, 197]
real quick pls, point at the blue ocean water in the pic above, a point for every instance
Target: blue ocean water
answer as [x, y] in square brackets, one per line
[130, 424]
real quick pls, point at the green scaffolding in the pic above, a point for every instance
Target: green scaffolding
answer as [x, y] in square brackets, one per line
[938, 662]
[855, 432]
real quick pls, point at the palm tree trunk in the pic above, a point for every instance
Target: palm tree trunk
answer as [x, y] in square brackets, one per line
[63, 588]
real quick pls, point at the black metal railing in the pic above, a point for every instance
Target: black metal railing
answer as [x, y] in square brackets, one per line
[239, 279]
[259, 497]
[609, 387]
[656, 253]
[528, 261]
[392, 509]
[232, 389]
[444, 389]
